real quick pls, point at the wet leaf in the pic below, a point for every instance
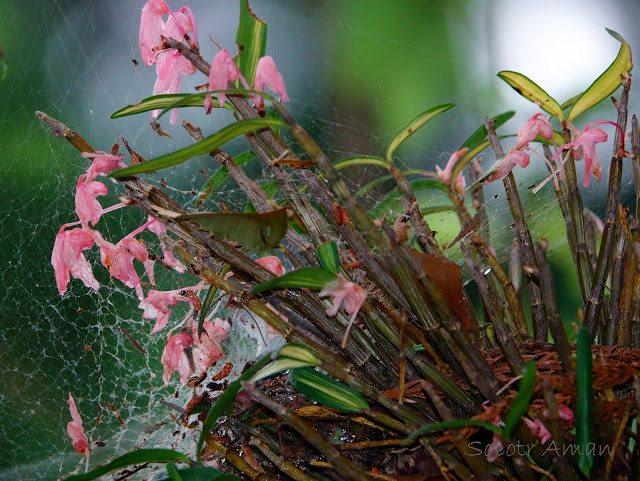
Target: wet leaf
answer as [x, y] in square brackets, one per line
[327, 391]
[306, 277]
[607, 83]
[328, 257]
[523, 398]
[414, 125]
[209, 144]
[532, 91]
[254, 230]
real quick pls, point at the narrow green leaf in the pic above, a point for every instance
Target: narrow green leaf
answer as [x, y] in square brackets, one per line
[209, 144]
[254, 230]
[226, 400]
[139, 456]
[571, 101]
[251, 40]
[161, 102]
[361, 160]
[328, 256]
[392, 197]
[414, 125]
[309, 277]
[532, 91]
[384, 178]
[299, 352]
[480, 134]
[607, 83]
[454, 424]
[279, 366]
[201, 473]
[173, 472]
[585, 434]
[327, 391]
[523, 398]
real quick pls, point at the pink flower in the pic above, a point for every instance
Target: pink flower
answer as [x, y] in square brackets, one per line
[267, 75]
[156, 306]
[584, 147]
[87, 206]
[342, 290]
[444, 176]
[175, 359]
[223, 70]
[75, 429]
[513, 158]
[272, 264]
[167, 256]
[538, 429]
[103, 163]
[118, 259]
[151, 26]
[536, 125]
[67, 258]
[207, 348]
[564, 412]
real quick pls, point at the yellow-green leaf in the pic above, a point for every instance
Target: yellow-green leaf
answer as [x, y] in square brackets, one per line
[327, 391]
[607, 83]
[209, 144]
[531, 91]
[251, 40]
[414, 125]
[328, 257]
[161, 102]
[309, 277]
[254, 230]
[298, 352]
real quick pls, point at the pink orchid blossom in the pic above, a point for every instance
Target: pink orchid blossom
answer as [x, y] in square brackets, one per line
[272, 264]
[584, 147]
[536, 125]
[444, 176]
[156, 306]
[267, 75]
[118, 259]
[67, 258]
[538, 429]
[75, 429]
[496, 447]
[87, 206]
[168, 259]
[175, 359]
[513, 158]
[102, 164]
[151, 26]
[564, 412]
[223, 71]
[342, 290]
[207, 348]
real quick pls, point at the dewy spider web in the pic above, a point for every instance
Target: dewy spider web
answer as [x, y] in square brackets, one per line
[77, 67]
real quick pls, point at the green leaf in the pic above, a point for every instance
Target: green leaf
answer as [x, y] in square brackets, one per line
[251, 40]
[279, 366]
[299, 352]
[327, 391]
[523, 398]
[328, 257]
[585, 434]
[173, 472]
[607, 83]
[361, 160]
[570, 102]
[454, 424]
[532, 91]
[414, 125]
[209, 144]
[393, 195]
[161, 102]
[383, 178]
[226, 400]
[139, 456]
[200, 473]
[309, 277]
[254, 230]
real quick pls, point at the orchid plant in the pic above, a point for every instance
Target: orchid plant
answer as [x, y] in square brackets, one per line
[409, 360]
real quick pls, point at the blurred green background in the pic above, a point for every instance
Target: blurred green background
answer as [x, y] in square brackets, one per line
[356, 71]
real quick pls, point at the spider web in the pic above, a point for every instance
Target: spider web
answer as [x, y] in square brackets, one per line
[72, 59]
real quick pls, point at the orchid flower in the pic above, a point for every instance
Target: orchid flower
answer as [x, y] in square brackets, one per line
[272, 264]
[584, 147]
[156, 306]
[538, 429]
[267, 75]
[496, 446]
[536, 125]
[87, 206]
[353, 297]
[207, 348]
[223, 70]
[67, 258]
[174, 358]
[444, 176]
[513, 158]
[75, 429]
[168, 259]
[564, 412]
[102, 163]
[151, 26]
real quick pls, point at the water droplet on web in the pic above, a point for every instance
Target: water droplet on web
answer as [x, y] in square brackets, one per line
[486, 271]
